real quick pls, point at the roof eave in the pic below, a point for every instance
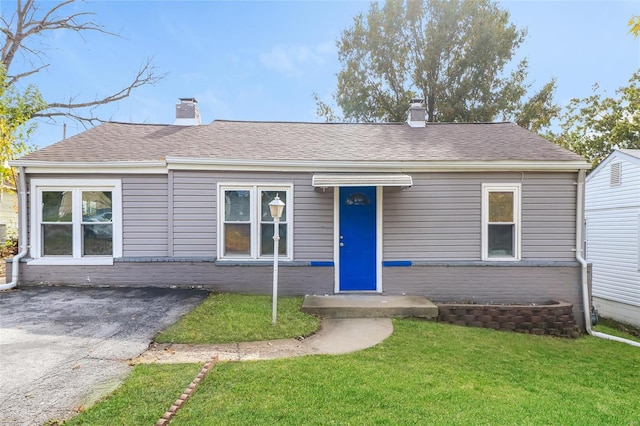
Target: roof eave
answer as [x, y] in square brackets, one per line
[93, 167]
[184, 163]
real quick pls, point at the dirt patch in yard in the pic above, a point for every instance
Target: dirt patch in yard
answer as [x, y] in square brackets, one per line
[620, 326]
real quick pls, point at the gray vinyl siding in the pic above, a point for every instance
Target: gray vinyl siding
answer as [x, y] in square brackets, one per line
[145, 208]
[313, 228]
[195, 216]
[439, 217]
[549, 216]
[188, 199]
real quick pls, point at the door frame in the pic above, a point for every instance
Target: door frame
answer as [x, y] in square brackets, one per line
[336, 240]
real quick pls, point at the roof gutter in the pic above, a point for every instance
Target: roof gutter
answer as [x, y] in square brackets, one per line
[337, 166]
[579, 257]
[79, 167]
[22, 230]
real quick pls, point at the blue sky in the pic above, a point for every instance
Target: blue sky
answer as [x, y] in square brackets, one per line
[263, 60]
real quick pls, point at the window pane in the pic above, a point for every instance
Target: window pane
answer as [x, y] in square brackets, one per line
[501, 240]
[237, 206]
[266, 246]
[96, 206]
[57, 206]
[501, 207]
[266, 198]
[97, 240]
[357, 199]
[57, 240]
[237, 238]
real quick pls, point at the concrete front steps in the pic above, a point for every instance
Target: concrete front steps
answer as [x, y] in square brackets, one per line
[369, 306]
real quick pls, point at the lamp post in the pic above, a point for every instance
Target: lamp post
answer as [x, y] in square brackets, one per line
[277, 207]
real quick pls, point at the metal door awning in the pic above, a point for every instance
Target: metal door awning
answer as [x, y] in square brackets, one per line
[326, 180]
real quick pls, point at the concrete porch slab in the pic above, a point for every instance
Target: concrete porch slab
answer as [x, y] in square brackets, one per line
[369, 306]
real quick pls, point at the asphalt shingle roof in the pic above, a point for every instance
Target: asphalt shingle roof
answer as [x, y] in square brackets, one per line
[250, 140]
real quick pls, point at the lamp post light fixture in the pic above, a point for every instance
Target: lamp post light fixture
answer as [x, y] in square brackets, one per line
[276, 207]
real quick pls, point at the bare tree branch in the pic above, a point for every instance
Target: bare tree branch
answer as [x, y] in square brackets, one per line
[28, 22]
[85, 120]
[15, 78]
[146, 75]
[24, 24]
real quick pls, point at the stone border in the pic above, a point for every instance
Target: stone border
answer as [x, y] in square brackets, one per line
[553, 319]
[168, 416]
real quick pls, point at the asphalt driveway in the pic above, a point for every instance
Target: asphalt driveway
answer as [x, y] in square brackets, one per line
[61, 348]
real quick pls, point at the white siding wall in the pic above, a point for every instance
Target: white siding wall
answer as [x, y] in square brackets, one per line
[601, 196]
[612, 216]
[612, 247]
[622, 312]
[9, 212]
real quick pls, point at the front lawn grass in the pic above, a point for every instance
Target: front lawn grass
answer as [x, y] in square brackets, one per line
[225, 318]
[431, 373]
[146, 395]
[424, 373]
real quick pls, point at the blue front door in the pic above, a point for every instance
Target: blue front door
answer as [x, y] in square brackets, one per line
[358, 238]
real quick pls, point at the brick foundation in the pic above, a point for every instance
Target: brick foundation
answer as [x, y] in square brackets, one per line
[554, 318]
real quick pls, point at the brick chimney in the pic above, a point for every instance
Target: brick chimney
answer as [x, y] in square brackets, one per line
[417, 113]
[187, 112]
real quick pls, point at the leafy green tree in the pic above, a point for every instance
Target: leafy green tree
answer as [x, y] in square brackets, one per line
[16, 110]
[453, 54]
[594, 126]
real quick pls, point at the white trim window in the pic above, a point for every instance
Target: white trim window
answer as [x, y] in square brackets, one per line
[501, 221]
[245, 225]
[76, 222]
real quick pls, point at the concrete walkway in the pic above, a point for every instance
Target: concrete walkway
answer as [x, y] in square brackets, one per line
[336, 336]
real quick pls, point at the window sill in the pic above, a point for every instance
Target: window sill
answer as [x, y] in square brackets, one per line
[67, 261]
[256, 262]
[501, 259]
